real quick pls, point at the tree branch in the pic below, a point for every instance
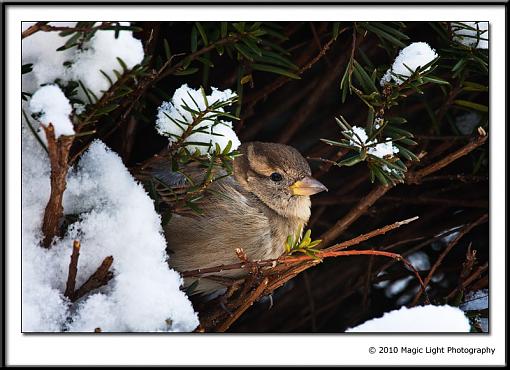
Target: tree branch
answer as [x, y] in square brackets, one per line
[73, 270]
[58, 151]
[96, 280]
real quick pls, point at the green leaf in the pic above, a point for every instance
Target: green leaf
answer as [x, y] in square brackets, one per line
[473, 86]
[244, 51]
[123, 64]
[336, 29]
[391, 30]
[194, 39]
[188, 71]
[366, 81]
[435, 80]
[471, 105]
[351, 161]
[224, 28]
[203, 35]
[168, 53]
[273, 69]
[380, 176]
[383, 34]
[106, 76]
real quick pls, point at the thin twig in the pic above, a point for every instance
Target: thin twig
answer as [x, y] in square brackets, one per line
[255, 294]
[356, 212]
[475, 275]
[96, 280]
[415, 177]
[43, 26]
[73, 270]
[289, 259]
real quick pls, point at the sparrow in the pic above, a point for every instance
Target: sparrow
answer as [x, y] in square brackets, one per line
[263, 201]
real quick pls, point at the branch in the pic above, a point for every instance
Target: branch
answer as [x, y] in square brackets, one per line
[289, 259]
[73, 270]
[58, 151]
[279, 82]
[475, 275]
[327, 80]
[43, 26]
[254, 295]
[371, 234]
[416, 177]
[466, 229]
[96, 280]
[356, 212]
[411, 178]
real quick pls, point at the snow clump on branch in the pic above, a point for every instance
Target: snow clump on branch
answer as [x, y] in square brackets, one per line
[98, 54]
[54, 108]
[414, 56]
[174, 119]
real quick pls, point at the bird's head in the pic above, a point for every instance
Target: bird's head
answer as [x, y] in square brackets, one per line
[279, 176]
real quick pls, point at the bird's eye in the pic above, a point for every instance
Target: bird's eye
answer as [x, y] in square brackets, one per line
[275, 176]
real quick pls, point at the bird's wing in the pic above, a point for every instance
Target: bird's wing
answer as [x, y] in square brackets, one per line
[172, 186]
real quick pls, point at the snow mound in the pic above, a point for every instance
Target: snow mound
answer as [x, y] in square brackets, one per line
[437, 319]
[116, 218]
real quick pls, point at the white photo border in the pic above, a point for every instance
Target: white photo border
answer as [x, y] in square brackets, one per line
[246, 349]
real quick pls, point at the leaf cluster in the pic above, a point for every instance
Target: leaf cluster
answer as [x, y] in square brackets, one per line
[300, 243]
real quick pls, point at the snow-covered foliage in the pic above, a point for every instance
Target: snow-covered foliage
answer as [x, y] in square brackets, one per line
[380, 150]
[109, 212]
[98, 54]
[53, 106]
[438, 319]
[472, 34]
[174, 119]
[117, 218]
[414, 56]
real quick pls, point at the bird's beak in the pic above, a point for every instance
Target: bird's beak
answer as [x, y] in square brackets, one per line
[307, 186]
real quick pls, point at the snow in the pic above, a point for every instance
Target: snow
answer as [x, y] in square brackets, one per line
[476, 300]
[380, 150]
[144, 293]
[438, 319]
[416, 55]
[472, 34]
[53, 106]
[39, 49]
[114, 215]
[99, 53]
[210, 133]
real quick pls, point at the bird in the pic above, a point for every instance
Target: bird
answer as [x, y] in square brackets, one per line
[264, 200]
